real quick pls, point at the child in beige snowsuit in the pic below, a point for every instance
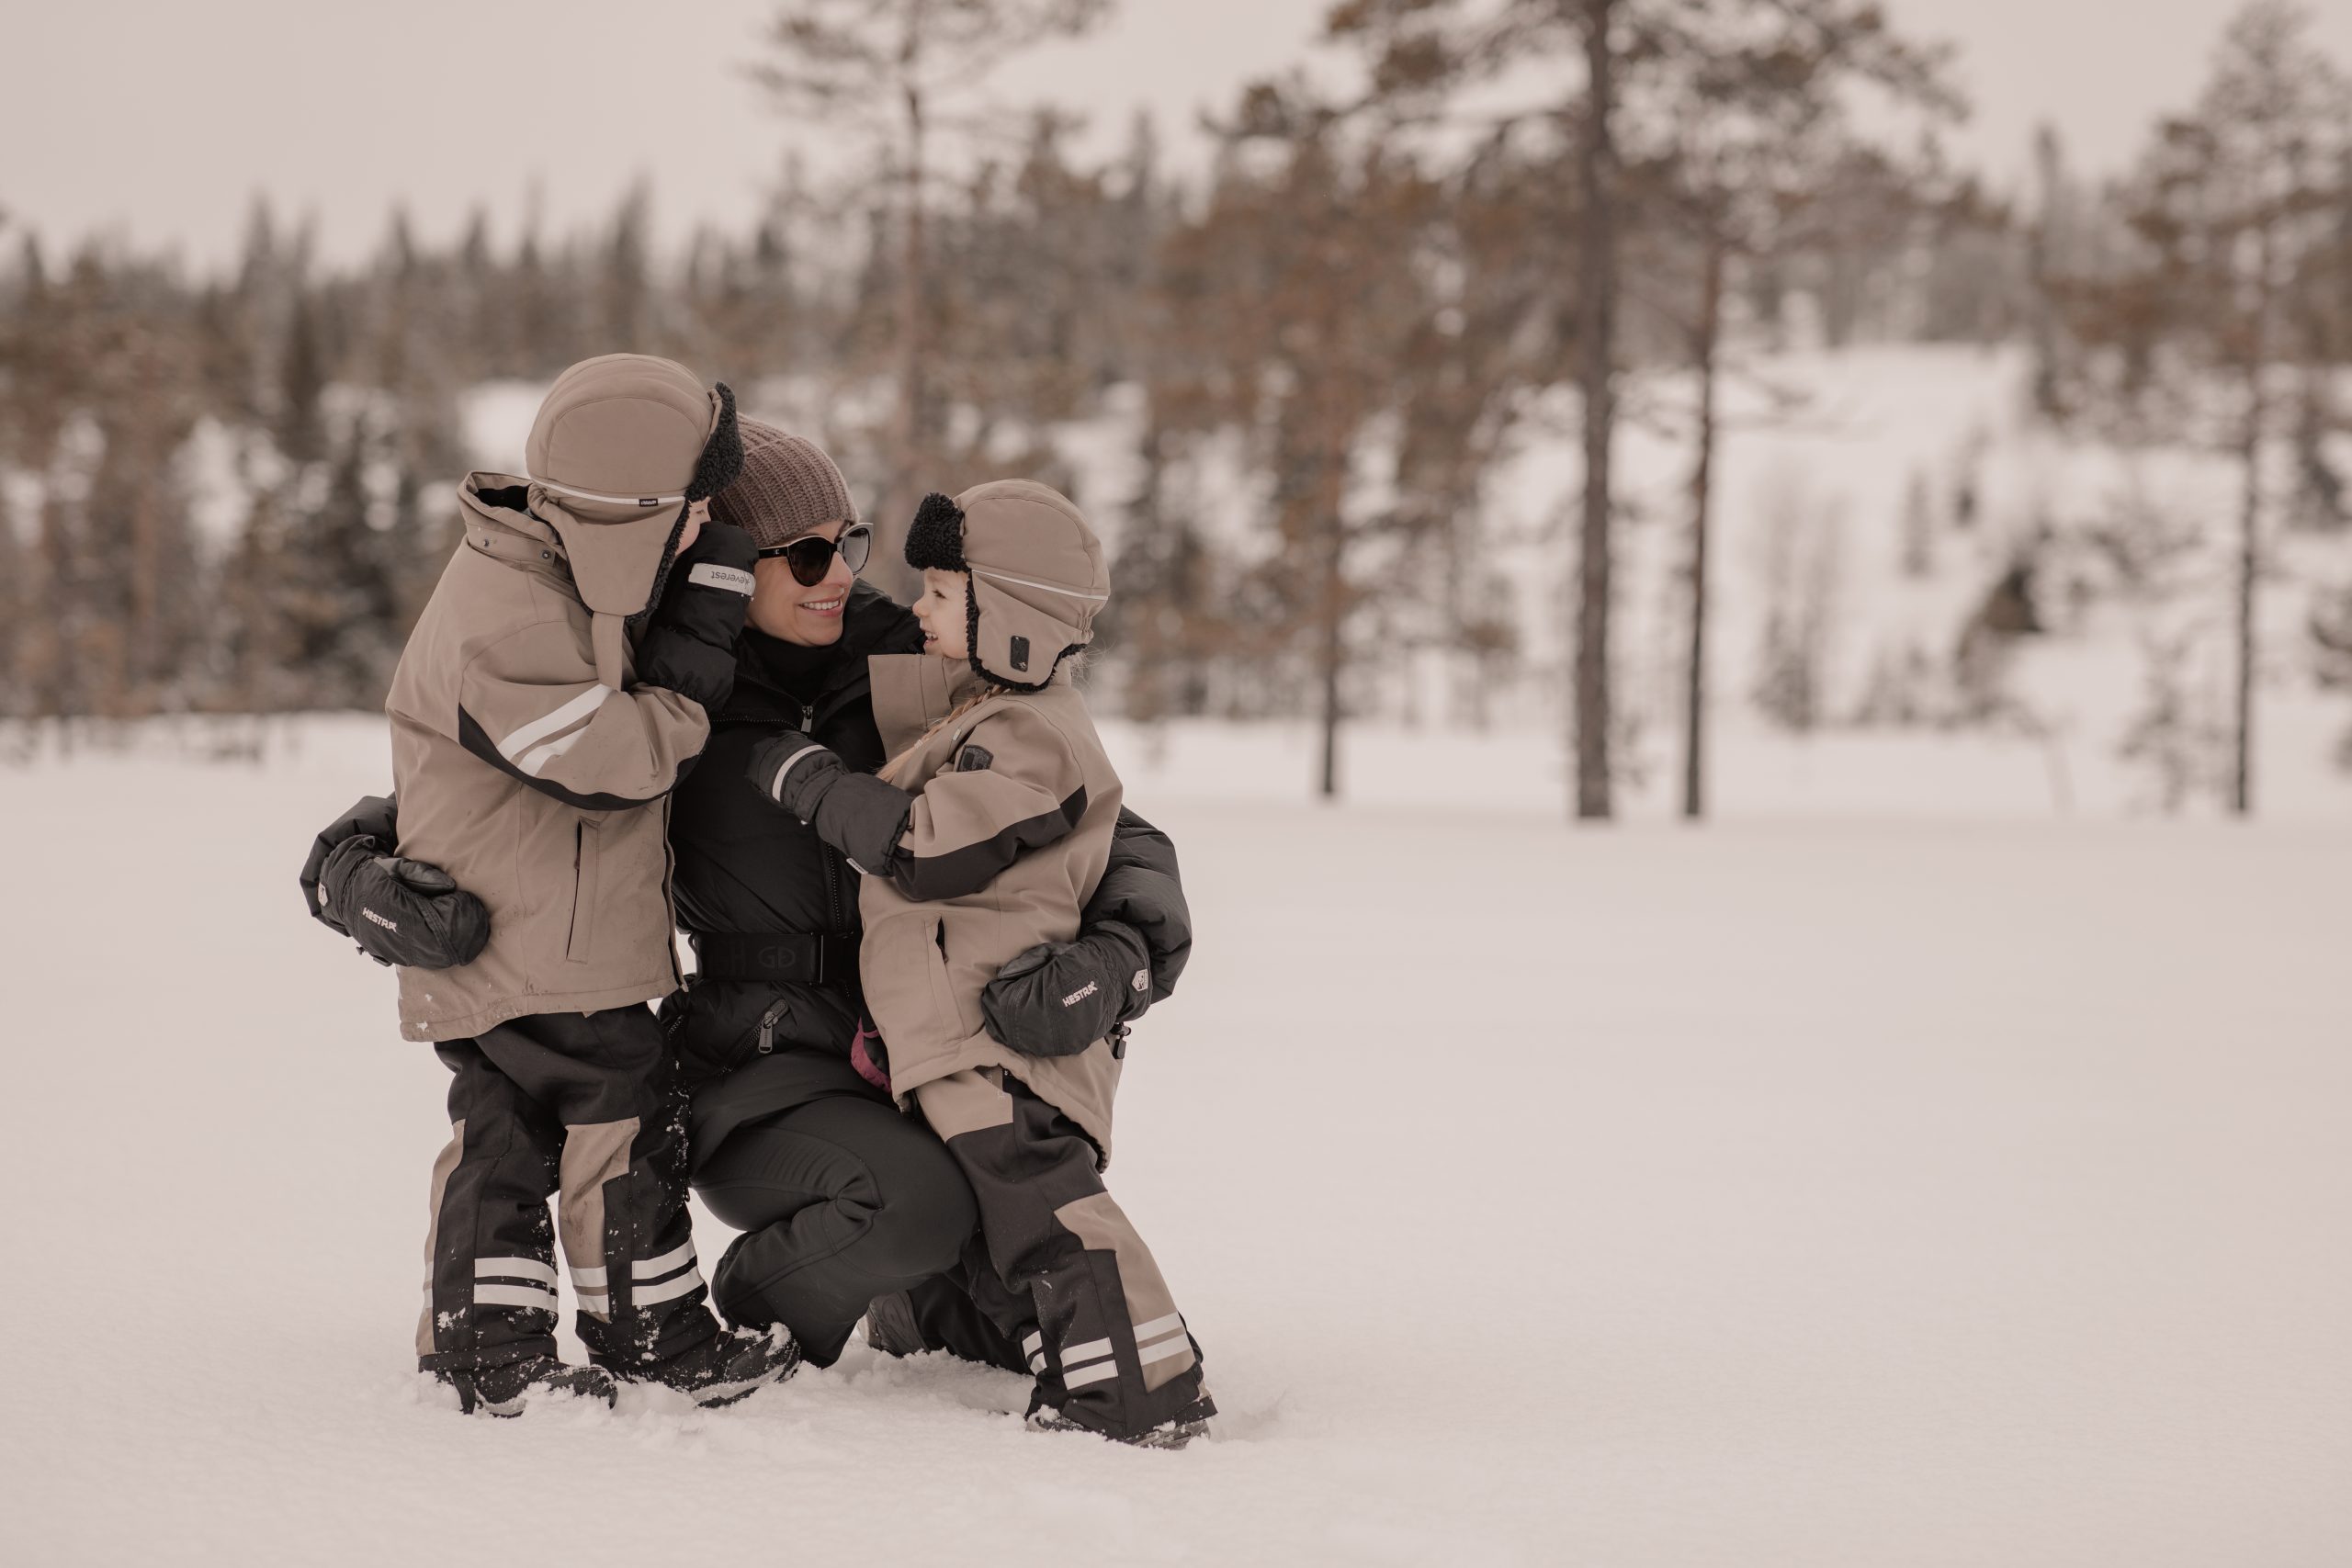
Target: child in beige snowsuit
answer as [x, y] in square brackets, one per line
[981, 842]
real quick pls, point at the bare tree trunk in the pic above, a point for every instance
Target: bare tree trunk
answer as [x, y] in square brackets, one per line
[1596, 331]
[2249, 519]
[2040, 240]
[1332, 599]
[1694, 692]
[2249, 511]
[910, 461]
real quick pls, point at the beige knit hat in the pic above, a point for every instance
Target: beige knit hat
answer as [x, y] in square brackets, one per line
[788, 487]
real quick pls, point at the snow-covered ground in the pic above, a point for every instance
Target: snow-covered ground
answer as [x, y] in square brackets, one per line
[1794, 1191]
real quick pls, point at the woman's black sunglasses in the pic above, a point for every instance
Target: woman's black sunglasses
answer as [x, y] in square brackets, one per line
[811, 557]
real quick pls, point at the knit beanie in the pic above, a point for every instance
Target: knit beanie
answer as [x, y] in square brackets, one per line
[788, 487]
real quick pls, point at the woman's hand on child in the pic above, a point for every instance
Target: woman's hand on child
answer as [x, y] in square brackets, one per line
[1058, 997]
[795, 772]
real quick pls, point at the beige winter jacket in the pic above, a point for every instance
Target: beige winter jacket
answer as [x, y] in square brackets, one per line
[530, 771]
[1005, 843]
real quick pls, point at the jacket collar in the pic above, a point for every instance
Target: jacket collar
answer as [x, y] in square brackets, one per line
[499, 523]
[777, 682]
[914, 691]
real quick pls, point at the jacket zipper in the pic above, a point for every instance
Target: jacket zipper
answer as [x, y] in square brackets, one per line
[824, 851]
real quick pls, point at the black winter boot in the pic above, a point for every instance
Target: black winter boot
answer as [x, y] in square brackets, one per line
[891, 1328]
[723, 1369]
[508, 1390]
[1174, 1433]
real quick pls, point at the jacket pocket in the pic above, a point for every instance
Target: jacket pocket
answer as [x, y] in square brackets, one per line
[580, 945]
[905, 977]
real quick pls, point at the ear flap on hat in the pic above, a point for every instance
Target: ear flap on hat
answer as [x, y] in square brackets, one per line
[722, 454]
[1015, 643]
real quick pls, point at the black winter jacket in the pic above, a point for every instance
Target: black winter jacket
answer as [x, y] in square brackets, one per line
[743, 867]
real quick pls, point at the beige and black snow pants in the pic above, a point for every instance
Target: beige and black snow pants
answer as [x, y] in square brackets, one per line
[1058, 1267]
[586, 1106]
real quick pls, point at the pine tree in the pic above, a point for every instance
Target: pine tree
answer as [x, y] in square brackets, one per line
[2231, 204]
[898, 69]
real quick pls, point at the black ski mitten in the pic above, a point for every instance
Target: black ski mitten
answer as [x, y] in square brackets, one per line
[375, 817]
[856, 813]
[689, 643]
[1058, 997]
[1143, 890]
[1135, 936]
[402, 911]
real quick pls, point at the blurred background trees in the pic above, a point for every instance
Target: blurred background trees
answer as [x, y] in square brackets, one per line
[1291, 383]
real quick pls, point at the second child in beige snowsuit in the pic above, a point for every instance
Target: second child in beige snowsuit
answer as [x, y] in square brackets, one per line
[980, 843]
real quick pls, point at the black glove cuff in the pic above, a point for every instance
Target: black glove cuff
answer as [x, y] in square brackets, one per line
[863, 818]
[678, 662]
[1127, 962]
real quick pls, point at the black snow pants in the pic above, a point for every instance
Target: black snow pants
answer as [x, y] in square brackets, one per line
[1058, 1265]
[585, 1105]
[840, 1199]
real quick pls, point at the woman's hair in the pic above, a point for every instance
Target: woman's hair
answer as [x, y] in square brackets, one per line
[889, 770]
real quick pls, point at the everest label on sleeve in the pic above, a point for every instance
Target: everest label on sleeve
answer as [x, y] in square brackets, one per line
[710, 574]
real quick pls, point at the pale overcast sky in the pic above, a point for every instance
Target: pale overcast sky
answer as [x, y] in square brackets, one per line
[162, 120]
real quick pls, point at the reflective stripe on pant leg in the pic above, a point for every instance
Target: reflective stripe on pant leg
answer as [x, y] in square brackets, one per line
[1052, 1232]
[1162, 1347]
[446, 1162]
[647, 1286]
[592, 1155]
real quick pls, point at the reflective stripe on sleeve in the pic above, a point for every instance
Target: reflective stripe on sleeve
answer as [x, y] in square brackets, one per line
[538, 729]
[536, 759]
[513, 1268]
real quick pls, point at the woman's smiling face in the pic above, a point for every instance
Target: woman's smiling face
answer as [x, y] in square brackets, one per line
[784, 608]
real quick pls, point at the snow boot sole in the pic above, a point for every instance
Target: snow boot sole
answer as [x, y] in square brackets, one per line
[506, 1391]
[723, 1370]
[1173, 1434]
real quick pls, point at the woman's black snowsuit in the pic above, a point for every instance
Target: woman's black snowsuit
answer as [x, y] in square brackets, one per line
[841, 1199]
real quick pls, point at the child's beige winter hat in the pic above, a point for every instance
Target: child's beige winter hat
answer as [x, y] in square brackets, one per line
[1037, 575]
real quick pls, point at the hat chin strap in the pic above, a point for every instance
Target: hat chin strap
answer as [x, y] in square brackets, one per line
[648, 502]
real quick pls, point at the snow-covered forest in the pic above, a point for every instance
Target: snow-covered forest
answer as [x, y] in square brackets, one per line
[2049, 479]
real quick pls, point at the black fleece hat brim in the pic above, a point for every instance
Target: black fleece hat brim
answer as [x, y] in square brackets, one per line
[722, 454]
[935, 538]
